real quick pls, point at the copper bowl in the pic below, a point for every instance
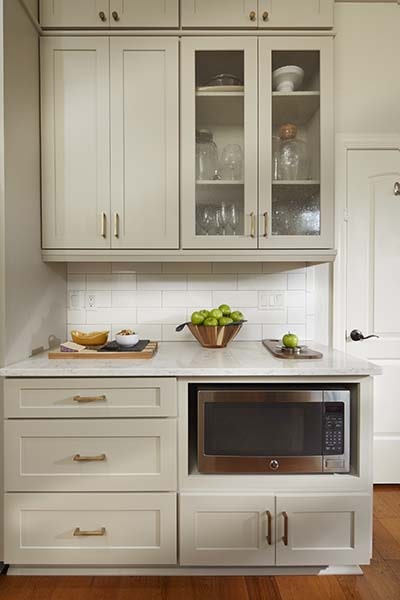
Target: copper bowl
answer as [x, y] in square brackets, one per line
[214, 337]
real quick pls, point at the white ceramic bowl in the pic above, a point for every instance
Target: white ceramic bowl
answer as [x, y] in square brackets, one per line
[287, 79]
[127, 340]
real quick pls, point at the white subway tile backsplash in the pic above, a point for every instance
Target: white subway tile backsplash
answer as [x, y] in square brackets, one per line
[212, 282]
[184, 299]
[162, 282]
[235, 299]
[270, 281]
[153, 298]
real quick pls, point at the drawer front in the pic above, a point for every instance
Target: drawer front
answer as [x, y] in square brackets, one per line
[227, 530]
[90, 529]
[96, 455]
[108, 397]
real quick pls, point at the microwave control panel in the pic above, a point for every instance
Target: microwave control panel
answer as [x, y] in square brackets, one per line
[334, 429]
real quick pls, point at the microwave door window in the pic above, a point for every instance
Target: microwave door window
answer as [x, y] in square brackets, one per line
[262, 429]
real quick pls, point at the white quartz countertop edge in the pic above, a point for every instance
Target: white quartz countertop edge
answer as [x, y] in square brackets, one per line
[189, 359]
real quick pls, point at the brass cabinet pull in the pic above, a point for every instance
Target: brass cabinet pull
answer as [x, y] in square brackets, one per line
[116, 225]
[269, 527]
[253, 15]
[396, 189]
[265, 15]
[84, 399]
[115, 15]
[96, 532]
[252, 225]
[102, 16]
[103, 232]
[285, 528]
[99, 458]
[265, 224]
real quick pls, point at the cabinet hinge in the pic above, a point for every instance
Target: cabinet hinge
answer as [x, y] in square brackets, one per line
[346, 215]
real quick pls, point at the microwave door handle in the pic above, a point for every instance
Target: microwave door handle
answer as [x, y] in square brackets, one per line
[269, 527]
[285, 528]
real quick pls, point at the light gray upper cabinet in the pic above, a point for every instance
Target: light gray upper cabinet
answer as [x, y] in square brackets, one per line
[279, 14]
[110, 173]
[297, 14]
[147, 13]
[74, 13]
[109, 13]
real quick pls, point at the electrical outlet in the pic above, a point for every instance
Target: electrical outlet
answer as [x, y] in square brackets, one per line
[271, 300]
[91, 300]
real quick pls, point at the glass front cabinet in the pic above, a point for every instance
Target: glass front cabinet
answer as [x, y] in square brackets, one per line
[257, 142]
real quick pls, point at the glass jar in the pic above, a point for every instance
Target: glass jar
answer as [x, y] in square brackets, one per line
[206, 156]
[293, 162]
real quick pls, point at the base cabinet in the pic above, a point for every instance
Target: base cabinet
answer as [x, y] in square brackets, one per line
[231, 530]
[90, 529]
[282, 530]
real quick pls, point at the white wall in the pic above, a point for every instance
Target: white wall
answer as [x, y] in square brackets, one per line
[34, 292]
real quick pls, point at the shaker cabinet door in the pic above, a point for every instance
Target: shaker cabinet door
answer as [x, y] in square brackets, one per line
[296, 13]
[148, 13]
[74, 13]
[144, 143]
[75, 142]
[224, 13]
[313, 529]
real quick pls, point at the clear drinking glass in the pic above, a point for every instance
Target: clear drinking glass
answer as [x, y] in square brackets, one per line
[206, 155]
[233, 218]
[232, 162]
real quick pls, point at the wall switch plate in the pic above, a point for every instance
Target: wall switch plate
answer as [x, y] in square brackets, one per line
[76, 300]
[271, 300]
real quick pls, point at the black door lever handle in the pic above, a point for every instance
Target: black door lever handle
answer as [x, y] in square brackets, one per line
[356, 335]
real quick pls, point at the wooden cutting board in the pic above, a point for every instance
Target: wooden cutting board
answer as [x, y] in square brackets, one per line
[146, 353]
[275, 347]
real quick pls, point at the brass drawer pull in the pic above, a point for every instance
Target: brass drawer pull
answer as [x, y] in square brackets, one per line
[116, 225]
[285, 528]
[266, 224]
[252, 225]
[97, 532]
[115, 15]
[253, 15]
[103, 231]
[102, 16]
[87, 399]
[99, 458]
[265, 16]
[269, 527]
[396, 188]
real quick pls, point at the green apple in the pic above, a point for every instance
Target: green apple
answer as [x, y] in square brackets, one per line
[225, 309]
[211, 322]
[237, 316]
[290, 340]
[204, 312]
[197, 318]
[225, 321]
[216, 313]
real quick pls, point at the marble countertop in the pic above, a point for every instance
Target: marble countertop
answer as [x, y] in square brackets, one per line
[189, 359]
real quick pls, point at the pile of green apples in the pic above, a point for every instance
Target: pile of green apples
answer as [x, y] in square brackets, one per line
[221, 316]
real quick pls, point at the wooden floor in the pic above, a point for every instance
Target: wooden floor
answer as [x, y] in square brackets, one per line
[381, 580]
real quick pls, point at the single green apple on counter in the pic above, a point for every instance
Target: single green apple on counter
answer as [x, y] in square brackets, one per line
[290, 340]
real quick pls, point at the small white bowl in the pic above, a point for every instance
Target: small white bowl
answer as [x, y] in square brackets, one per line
[287, 79]
[127, 340]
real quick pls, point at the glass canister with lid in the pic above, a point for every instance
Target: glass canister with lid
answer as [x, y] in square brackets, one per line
[293, 161]
[206, 155]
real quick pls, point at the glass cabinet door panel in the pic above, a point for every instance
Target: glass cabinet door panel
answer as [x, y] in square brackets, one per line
[296, 139]
[219, 143]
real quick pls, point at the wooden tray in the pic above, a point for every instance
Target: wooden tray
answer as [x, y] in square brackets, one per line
[274, 346]
[147, 353]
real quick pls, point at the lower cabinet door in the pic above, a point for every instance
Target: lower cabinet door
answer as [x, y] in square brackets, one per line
[102, 455]
[315, 529]
[90, 529]
[218, 530]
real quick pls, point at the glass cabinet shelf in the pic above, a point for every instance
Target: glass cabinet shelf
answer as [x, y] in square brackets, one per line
[219, 94]
[218, 182]
[295, 182]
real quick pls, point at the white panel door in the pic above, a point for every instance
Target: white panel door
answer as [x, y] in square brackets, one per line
[151, 13]
[285, 14]
[227, 530]
[74, 13]
[75, 142]
[373, 290]
[224, 13]
[90, 529]
[144, 143]
[314, 529]
[100, 455]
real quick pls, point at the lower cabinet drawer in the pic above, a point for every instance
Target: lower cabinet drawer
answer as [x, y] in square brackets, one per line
[231, 530]
[90, 529]
[96, 455]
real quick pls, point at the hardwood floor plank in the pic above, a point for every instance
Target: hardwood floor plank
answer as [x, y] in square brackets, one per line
[178, 588]
[385, 543]
[310, 588]
[262, 588]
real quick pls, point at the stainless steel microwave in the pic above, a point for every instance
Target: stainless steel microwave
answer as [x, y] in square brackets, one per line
[273, 430]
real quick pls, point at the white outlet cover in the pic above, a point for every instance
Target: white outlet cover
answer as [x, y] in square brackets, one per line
[271, 300]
